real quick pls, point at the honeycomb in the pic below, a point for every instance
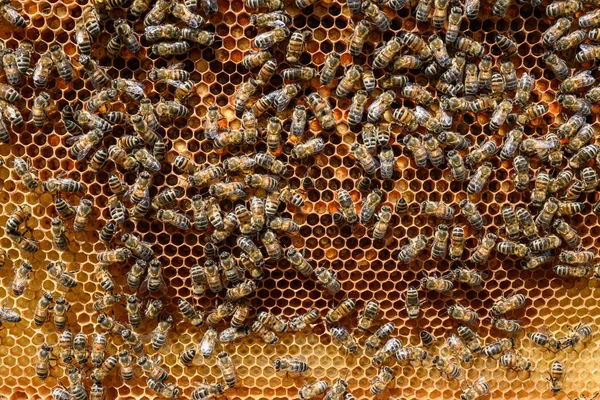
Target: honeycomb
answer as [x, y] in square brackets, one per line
[367, 269]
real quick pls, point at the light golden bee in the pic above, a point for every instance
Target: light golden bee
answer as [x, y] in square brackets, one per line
[310, 391]
[579, 334]
[462, 313]
[301, 322]
[458, 348]
[438, 209]
[515, 361]
[322, 110]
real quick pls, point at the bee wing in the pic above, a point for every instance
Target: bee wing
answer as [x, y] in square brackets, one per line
[586, 47]
[275, 24]
[300, 357]
[178, 65]
[73, 139]
[84, 152]
[130, 190]
[135, 86]
[177, 84]
[282, 103]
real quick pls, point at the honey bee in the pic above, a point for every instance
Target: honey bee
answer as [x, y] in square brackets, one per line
[42, 366]
[7, 314]
[455, 71]
[483, 250]
[90, 121]
[221, 311]
[174, 218]
[500, 114]
[579, 334]
[24, 171]
[481, 153]
[439, 248]
[583, 135]
[435, 154]
[438, 209]
[555, 376]
[342, 337]
[511, 143]
[138, 247]
[170, 391]
[382, 224]
[446, 367]
[471, 213]
[470, 337]
[98, 160]
[386, 53]
[301, 322]
[133, 308]
[40, 315]
[65, 344]
[135, 274]
[310, 391]
[455, 104]
[574, 103]
[478, 389]
[546, 243]
[21, 278]
[109, 324]
[105, 301]
[413, 304]
[515, 362]
[117, 210]
[152, 368]
[521, 178]
[9, 62]
[347, 206]
[62, 277]
[437, 284]
[507, 304]
[408, 120]
[556, 31]
[382, 380]
[381, 104]
[575, 271]
[19, 216]
[471, 277]
[482, 103]
[160, 333]
[463, 314]
[562, 8]
[80, 347]
[583, 156]
[557, 65]
[255, 59]
[457, 242]
[8, 93]
[98, 352]
[576, 257]
[416, 92]
[369, 205]
[267, 335]
[41, 71]
[241, 290]
[498, 347]
[507, 325]
[369, 136]
[458, 348]
[561, 181]
[322, 110]
[544, 218]
[11, 114]
[62, 62]
[416, 147]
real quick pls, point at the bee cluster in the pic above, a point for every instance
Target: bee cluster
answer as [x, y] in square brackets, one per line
[404, 102]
